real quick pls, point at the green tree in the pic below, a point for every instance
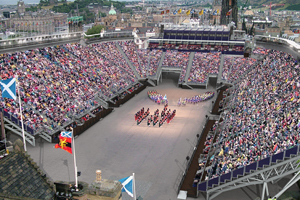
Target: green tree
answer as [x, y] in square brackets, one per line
[95, 30]
[101, 14]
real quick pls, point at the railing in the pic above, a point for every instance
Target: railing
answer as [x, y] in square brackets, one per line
[292, 44]
[116, 34]
[39, 39]
[17, 122]
[204, 186]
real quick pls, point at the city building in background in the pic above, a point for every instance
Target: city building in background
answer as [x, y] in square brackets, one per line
[33, 23]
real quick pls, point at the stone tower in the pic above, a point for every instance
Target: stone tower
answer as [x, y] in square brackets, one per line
[21, 6]
[226, 6]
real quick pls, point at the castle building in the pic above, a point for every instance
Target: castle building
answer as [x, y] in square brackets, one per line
[41, 22]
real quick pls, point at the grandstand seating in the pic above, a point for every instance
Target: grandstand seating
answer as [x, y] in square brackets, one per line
[234, 67]
[177, 59]
[130, 50]
[144, 60]
[261, 123]
[62, 82]
[204, 64]
[155, 56]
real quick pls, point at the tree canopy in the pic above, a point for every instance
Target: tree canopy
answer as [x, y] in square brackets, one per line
[81, 5]
[95, 30]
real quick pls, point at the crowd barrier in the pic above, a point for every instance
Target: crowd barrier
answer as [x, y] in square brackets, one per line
[120, 101]
[192, 163]
[87, 124]
[202, 51]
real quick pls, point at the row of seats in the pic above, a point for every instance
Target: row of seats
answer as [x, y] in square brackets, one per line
[261, 119]
[204, 64]
[60, 82]
[234, 67]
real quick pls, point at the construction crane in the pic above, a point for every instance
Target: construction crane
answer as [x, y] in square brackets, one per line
[243, 17]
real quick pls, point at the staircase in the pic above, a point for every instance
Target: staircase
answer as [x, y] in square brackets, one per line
[151, 82]
[158, 72]
[128, 62]
[188, 70]
[221, 69]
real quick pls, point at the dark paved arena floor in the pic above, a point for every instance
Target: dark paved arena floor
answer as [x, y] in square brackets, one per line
[118, 147]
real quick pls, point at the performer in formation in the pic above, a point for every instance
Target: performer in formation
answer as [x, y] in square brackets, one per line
[141, 115]
[165, 116]
[196, 99]
[157, 98]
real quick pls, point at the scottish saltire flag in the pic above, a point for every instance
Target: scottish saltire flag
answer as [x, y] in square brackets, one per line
[204, 11]
[175, 12]
[215, 12]
[8, 88]
[127, 184]
[192, 11]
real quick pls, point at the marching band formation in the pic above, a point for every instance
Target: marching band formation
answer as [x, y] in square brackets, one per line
[157, 98]
[196, 99]
[165, 116]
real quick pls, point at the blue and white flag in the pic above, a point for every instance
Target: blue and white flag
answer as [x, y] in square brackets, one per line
[8, 88]
[204, 11]
[127, 184]
[175, 12]
[192, 11]
[67, 134]
[215, 12]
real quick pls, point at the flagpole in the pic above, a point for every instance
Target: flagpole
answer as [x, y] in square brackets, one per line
[23, 134]
[133, 183]
[75, 167]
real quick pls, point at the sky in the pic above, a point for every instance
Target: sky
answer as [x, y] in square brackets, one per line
[14, 2]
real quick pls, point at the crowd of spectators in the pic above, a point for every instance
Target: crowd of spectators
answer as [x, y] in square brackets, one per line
[144, 59]
[182, 74]
[238, 48]
[260, 51]
[204, 156]
[263, 115]
[176, 59]
[109, 51]
[169, 46]
[234, 67]
[155, 56]
[130, 50]
[60, 82]
[204, 64]
[153, 45]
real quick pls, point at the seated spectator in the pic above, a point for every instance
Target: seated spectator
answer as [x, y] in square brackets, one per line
[204, 64]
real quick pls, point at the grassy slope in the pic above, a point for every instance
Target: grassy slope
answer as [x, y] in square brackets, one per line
[256, 4]
[59, 4]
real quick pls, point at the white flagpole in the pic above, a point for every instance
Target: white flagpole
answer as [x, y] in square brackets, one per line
[133, 185]
[23, 134]
[75, 167]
